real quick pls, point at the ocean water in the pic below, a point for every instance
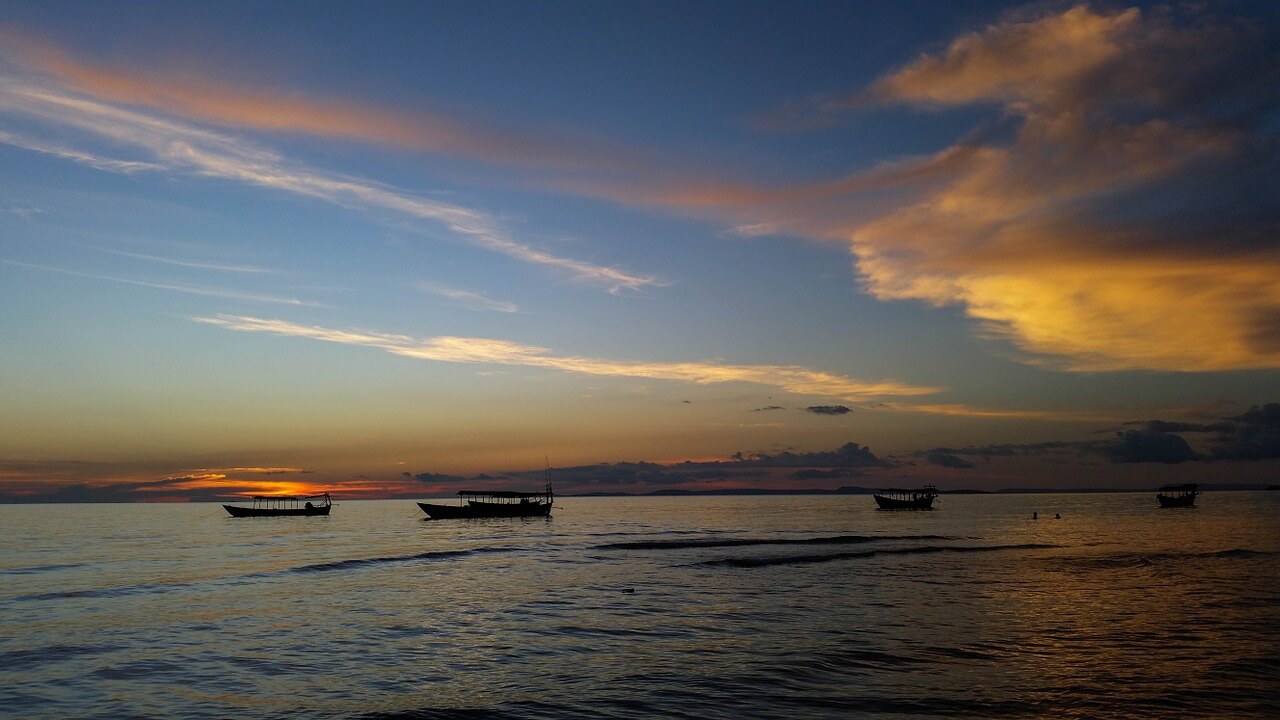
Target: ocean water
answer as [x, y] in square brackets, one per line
[706, 607]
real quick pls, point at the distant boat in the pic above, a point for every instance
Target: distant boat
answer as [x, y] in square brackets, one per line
[283, 506]
[1173, 496]
[495, 504]
[921, 499]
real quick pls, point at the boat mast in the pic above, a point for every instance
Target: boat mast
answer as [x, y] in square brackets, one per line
[550, 494]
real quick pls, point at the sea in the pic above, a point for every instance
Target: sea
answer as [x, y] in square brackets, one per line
[791, 606]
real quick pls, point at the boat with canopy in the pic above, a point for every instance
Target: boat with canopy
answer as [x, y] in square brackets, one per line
[494, 504]
[1174, 496]
[895, 499]
[282, 506]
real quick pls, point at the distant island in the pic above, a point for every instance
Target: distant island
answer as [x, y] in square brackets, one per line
[858, 490]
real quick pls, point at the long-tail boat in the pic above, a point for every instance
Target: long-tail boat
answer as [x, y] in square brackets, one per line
[893, 499]
[282, 506]
[495, 504]
[1176, 496]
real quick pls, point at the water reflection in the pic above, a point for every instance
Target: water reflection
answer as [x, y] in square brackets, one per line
[177, 611]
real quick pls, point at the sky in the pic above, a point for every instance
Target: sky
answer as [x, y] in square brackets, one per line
[396, 249]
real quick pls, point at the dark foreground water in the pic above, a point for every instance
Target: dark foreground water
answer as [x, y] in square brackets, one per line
[643, 607]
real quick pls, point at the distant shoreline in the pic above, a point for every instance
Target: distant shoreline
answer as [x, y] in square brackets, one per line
[856, 490]
[846, 490]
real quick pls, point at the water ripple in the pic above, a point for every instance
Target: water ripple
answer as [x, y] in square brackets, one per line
[753, 562]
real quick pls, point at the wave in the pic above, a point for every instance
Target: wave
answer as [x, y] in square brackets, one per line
[140, 589]
[34, 569]
[705, 543]
[30, 658]
[101, 592]
[365, 562]
[754, 562]
[1139, 559]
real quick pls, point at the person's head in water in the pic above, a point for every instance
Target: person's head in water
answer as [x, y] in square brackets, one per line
[1035, 516]
[1057, 516]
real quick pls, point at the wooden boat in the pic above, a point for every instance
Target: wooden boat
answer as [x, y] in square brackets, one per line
[283, 506]
[495, 504]
[893, 499]
[1173, 496]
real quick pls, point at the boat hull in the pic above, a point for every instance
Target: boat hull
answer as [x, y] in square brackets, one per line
[888, 503]
[1180, 501]
[486, 510]
[277, 512]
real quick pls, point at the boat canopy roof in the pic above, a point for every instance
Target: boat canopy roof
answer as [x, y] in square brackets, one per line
[908, 491]
[1188, 486]
[502, 493]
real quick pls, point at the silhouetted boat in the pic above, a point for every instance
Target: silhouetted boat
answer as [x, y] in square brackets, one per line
[921, 499]
[1171, 496]
[495, 504]
[283, 506]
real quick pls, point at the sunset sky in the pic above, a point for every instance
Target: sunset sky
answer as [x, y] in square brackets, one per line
[383, 248]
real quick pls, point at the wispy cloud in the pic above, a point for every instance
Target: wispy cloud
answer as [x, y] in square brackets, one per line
[791, 378]
[60, 151]
[251, 269]
[469, 299]
[189, 289]
[23, 211]
[176, 146]
[206, 99]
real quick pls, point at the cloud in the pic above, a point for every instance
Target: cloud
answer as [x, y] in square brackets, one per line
[428, 477]
[843, 462]
[791, 378]
[468, 299]
[258, 470]
[1139, 446]
[849, 455]
[1034, 62]
[1117, 214]
[1168, 426]
[199, 97]
[1267, 414]
[97, 162]
[829, 474]
[174, 146]
[250, 269]
[948, 460]
[1253, 435]
[828, 409]
[189, 289]
[1010, 449]
[22, 211]
[1125, 225]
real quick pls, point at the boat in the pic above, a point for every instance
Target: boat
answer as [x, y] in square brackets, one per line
[495, 504]
[894, 499]
[283, 506]
[1173, 496]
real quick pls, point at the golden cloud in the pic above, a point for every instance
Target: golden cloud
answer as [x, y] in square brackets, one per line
[1127, 222]
[503, 352]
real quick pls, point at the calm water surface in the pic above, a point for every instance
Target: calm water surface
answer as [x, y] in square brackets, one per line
[731, 607]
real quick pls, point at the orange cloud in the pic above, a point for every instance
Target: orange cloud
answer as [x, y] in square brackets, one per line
[1128, 223]
[486, 350]
[789, 378]
[1026, 239]
[1016, 61]
[197, 96]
